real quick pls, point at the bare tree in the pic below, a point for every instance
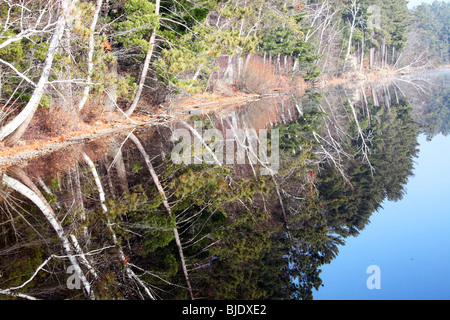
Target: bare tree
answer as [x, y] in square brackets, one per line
[130, 273]
[33, 194]
[166, 205]
[90, 63]
[16, 127]
[354, 11]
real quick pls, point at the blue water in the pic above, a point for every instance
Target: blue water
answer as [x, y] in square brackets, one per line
[409, 240]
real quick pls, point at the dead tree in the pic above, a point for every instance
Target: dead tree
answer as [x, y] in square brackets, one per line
[90, 55]
[166, 205]
[146, 65]
[31, 192]
[130, 273]
[17, 126]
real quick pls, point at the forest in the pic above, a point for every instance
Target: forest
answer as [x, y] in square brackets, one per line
[65, 64]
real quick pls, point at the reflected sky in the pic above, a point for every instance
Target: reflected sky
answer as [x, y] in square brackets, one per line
[409, 240]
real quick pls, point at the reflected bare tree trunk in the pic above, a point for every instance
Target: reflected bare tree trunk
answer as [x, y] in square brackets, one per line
[30, 191]
[130, 273]
[166, 206]
[119, 165]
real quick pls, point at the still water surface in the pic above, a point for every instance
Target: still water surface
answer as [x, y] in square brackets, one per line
[409, 240]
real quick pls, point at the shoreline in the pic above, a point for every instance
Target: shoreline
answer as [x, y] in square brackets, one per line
[10, 156]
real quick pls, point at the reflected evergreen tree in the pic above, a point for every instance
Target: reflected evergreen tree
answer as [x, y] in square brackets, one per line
[437, 114]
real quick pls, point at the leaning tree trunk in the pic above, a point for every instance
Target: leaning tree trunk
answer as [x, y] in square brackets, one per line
[354, 11]
[166, 206]
[145, 67]
[130, 273]
[349, 47]
[16, 127]
[45, 208]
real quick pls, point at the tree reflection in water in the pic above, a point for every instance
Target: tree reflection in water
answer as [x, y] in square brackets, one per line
[131, 224]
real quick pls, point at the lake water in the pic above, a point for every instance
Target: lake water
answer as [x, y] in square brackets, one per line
[408, 240]
[289, 197]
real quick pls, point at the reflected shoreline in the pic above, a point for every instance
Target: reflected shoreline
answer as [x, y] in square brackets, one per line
[14, 155]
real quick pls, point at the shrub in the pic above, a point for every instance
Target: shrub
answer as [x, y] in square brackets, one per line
[59, 121]
[53, 122]
[92, 112]
[257, 77]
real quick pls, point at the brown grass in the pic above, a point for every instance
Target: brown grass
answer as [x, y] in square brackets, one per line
[54, 164]
[48, 123]
[92, 113]
[257, 77]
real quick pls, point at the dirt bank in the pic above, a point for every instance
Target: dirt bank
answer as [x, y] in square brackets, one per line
[27, 150]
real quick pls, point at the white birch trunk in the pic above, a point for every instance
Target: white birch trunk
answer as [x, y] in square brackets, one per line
[51, 218]
[161, 191]
[90, 55]
[130, 273]
[354, 11]
[19, 124]
[229, 74]
[362, 53]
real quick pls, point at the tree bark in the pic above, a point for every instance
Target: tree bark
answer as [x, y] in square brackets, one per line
[362, 52]
[354, 11]
[371, 54]
[130, 273]
[45, 208]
